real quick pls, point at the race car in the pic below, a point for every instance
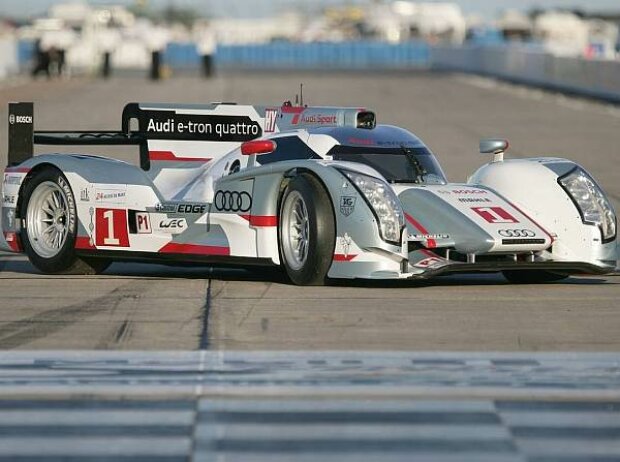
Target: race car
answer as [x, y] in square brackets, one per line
[322, 192]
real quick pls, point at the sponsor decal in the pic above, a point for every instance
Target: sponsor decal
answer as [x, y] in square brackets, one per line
[171, 125]
[166, 208]
[516, 233]
[19, 119]
[9, 200]
[84, 195]
[191, 208]
[495, 215]
[429, 262]
[319, 119]
[69, 195]
[271, 116]
[143, 223]
[469, 191]
[232, 201]
[10, 218]
[347, 205]
[345, 243]
[172, 225]
[12, 179]
[471, 200]
[362, 141]
[111, 228]
[111, 196]
[426, 237]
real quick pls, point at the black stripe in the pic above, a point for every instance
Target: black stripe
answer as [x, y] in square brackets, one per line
[572, 406]
[534, 432]
[110, 431]
[275, 417]
[206, 309]
[92, 458]
[362, 445]
[43, 405]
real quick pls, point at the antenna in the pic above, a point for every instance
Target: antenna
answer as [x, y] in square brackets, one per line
[301, 94]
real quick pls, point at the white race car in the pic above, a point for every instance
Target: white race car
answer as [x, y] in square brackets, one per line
[322, 192]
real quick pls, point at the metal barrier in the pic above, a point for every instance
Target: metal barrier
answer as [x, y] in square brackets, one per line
[362, 55]
[527, 64]
[531, 65]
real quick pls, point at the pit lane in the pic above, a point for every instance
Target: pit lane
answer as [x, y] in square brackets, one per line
[140, 307]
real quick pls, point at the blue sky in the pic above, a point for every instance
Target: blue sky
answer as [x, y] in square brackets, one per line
[488, 8]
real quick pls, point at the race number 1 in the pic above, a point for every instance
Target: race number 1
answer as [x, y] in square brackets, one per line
[111, 228]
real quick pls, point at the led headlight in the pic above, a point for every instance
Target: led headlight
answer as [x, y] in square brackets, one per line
[383, 202]
[591, 202]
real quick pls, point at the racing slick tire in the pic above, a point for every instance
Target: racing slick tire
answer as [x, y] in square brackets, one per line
[306, 231]
[533, 276]
[49, 226]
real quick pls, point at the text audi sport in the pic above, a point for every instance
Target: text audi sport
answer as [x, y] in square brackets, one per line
[323, 192]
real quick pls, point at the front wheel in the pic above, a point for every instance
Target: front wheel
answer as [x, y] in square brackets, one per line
[307, 231]
[533, 276]
[50, 226]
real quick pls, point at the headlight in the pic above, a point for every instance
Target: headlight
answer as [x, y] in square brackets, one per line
[591, 202]
[383, 202]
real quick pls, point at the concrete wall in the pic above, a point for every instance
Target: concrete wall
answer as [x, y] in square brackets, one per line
[532, 66]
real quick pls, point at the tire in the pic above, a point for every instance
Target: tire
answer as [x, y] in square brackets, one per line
[533, 276]
[49, 226]
[306, 231]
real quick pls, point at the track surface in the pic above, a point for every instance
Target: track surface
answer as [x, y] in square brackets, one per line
[154, 307]
[351, 406]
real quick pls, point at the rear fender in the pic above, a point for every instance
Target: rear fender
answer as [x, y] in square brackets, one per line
[95, 181]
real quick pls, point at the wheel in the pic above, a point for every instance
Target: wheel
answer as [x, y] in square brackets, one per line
[533, 276]
[307, 231]
[49, 226]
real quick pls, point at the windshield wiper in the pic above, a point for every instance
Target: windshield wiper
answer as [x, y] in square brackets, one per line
[415, 163]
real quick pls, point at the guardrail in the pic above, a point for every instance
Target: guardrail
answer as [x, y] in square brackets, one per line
[532, 66]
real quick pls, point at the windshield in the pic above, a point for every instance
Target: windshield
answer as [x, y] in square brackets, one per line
[397, 165]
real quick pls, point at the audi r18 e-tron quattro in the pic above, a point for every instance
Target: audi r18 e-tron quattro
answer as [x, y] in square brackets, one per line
[323, 192]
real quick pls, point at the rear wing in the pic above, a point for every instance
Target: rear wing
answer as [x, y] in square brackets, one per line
[183, 134]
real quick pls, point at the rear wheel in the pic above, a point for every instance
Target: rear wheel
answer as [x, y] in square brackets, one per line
[533, 276]
[307, 231]
[50, 226]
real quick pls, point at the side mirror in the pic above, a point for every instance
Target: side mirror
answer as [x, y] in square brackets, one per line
[494, 146]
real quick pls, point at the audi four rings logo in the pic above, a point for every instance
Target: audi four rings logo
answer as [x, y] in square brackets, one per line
[516, 233]
[233, 201]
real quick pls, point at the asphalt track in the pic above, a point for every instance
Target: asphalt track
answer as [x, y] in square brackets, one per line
[139, 307]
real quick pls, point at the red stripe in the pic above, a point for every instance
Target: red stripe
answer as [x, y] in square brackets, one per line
[83, 243]
[293, 109]
[531, 219]
[430, 243]
[169, 156]
[17, 169]
[261, 220]
[343, 257]
[12, 240]
[195, 249]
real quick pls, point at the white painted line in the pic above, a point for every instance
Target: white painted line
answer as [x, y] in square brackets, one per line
[89, 446]
[94, 417]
